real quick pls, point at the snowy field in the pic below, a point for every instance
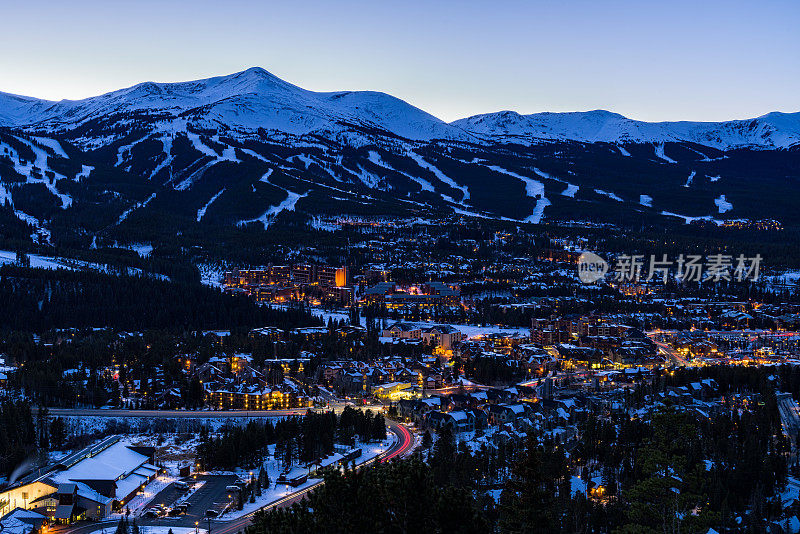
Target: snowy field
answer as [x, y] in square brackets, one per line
[471, 331]
[50, 262]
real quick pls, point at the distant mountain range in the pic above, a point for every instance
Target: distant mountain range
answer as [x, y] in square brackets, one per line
[251, 149]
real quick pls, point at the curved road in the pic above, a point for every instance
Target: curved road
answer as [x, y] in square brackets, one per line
[402, 447]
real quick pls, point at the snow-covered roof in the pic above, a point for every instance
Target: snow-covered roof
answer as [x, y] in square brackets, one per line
[113, 463]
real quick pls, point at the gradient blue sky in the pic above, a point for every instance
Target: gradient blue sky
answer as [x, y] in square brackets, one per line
[667, 60]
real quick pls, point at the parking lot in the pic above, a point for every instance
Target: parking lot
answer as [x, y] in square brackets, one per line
[211, 495]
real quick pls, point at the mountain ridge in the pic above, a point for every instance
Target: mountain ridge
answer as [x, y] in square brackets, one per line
[240, 152]
[255, 98]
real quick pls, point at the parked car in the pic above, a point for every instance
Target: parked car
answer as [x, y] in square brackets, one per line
[181, 484]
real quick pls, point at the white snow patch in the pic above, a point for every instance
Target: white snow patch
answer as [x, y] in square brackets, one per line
[570, 190]
[623, 151]
[268, 216]
[659, 150]
[608, 194]
[689, 179]
[439, 174]
[533, 188]
[135, 207]
[86, 170]
[54, 145]
[646, 200]
[375, 158]
[202, 211]
[722, 204]
[688, 219]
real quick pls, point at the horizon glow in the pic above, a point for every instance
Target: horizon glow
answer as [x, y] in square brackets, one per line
[681, 60]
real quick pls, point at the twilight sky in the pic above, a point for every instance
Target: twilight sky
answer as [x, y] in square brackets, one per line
[667, 60]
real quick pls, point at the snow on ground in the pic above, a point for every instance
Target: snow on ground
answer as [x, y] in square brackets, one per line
[124, 151]
[714, 178]
[52, 144]
[305, 160]
[278, 491]
[138, 504]
[608, 194]
[166, 142]
[142, 249]
[111, 528]
[688, 219]
[36, 223]
[211, 275]
[689, 179]
[470, 330]
[202, 211]
[570, 190]
[375, 158]
[228, 154]
[533, 188]
[439, 174]
[367, 178]
[40, 163]
[86, 170]
[267, 217]
[722, 204]
[49, 262]
[659, 150]
[135, 207]
[319, 223]
[623, 151]
[646, 200]
[5, 195]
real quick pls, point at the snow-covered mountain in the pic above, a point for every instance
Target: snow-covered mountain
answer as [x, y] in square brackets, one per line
[774, 130]
[243, 151]
[246, 101]
[242, 102]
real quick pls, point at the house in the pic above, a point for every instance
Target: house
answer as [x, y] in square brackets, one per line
[444, 336]
[499, 414]
[460, 421]
[294, 477]
[21, 521]
[87, 484]
[403, 331]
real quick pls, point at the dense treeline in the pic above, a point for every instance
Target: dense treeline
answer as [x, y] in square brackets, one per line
[671, 471]
[398, 497]
[296, 439]
[488, 370]
[38, 300]
[17, 434]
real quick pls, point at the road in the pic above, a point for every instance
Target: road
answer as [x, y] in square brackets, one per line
[403, 446]
[672, 354]
[198, 414]
[790, 419]
[205, 497]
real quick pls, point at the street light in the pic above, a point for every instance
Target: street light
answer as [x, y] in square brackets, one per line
[196, 524]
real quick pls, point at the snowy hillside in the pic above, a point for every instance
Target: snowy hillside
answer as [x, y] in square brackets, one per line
[254, 98]
[774, 130]
[247, 151]
[245, 102]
